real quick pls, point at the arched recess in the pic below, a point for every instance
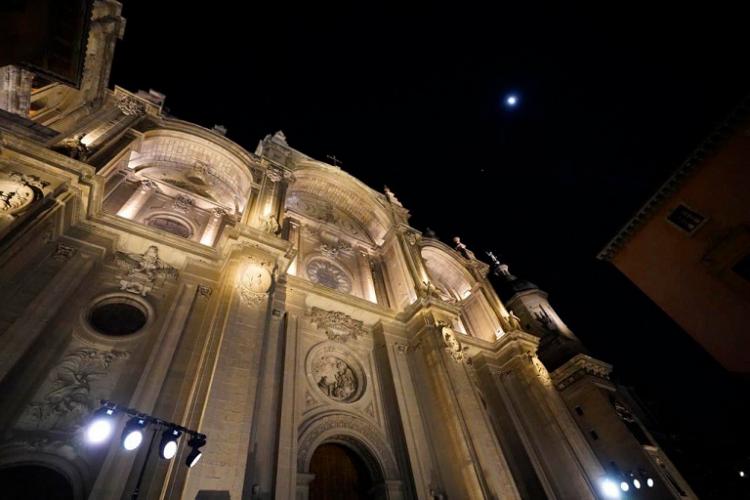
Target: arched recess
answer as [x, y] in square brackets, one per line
[340, 196]
[195, 162]
[354, 432]
[455, 283]
[14, 457]
[445, 270]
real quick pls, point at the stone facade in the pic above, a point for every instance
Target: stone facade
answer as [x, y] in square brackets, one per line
[276, 304]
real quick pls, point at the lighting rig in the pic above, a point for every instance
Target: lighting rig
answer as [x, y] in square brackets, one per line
[103, 421]
[629, 482]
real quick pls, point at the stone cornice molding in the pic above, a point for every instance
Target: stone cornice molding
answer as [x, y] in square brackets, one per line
[705, 150]
[578, 367]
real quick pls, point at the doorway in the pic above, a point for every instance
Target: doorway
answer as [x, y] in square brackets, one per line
[24, 482]
[340, 474]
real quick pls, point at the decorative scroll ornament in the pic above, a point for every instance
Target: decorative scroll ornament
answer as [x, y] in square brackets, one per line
[275, 174]
[338, 326]
[71, 391]
[452, 345]
[541, 370]
[255, 283]
[130, 106]
[183, 204]
[333, 250]
[144, 271]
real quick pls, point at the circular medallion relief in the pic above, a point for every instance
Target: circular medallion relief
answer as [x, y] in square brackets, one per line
[336, 373]
[255, 283]
[328, 274]
[14, 196]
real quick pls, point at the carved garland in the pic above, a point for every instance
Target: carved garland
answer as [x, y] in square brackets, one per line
[338, 326]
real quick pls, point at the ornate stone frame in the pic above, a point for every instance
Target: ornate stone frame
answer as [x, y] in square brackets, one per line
[114, 297]
[340, 265]
[348, 356]
[352, 431]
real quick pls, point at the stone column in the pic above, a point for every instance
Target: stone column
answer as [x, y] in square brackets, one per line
[212, 228]
[263, 451]
[294, 236]
[381, 292]
[566, 467]
[365, 275]
[407, 240]
[471, 461]
[15, 90]
[137, 200]
[393, 356]
[286, 466]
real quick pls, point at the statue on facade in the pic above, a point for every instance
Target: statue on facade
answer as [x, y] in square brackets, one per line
[142, 270]
[462, 249]
[513, 321]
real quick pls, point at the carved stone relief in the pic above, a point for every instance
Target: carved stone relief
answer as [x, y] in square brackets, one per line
[540, 369]
[323, 211]
[255, 282]
[143, 272]
[338, 326]
[183, 204]
[64, 252]
[270, 224]
[18, 190]
[335, 378]
[130, 106]
[428, 290]
[72, 390]
[452, 345]
[335, 372]
[357, 431]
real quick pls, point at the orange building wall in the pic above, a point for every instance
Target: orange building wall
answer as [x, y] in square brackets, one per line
[690, 276]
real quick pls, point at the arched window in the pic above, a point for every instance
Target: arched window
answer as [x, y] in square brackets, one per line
[171, 225]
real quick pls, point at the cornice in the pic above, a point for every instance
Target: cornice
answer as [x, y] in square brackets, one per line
[704, 151]
[578, 367]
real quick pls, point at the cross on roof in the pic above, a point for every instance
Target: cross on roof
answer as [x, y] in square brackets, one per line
[336, 162]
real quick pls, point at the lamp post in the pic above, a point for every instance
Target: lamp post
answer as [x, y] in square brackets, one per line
[102, 424]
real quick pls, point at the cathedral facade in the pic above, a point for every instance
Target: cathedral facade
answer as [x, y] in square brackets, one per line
[278, 305]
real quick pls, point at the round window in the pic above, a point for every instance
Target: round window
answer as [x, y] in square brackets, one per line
[327, 274]
[117, 318]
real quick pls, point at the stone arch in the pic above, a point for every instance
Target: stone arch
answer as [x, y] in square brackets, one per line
[451, 278]
[346, 194]
[446, 270]
[46, 454]
[194, 159]
[348, 430]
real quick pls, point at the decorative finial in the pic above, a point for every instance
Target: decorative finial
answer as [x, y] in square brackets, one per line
[391, 197]
[498, 267]
[462, 249]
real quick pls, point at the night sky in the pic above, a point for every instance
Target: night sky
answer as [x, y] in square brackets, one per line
[613, 97]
